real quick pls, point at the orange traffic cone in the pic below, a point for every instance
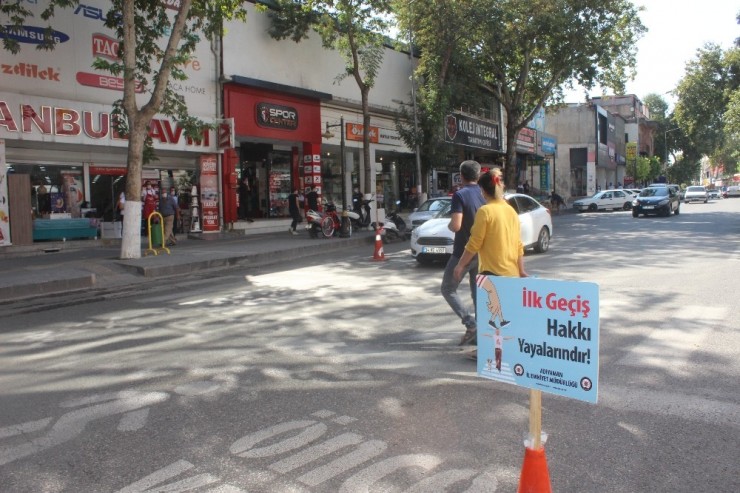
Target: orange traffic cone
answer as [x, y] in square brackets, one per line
[378, 254]
[534, 478]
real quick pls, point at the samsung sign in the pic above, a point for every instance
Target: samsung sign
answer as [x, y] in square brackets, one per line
[471, 132]
[33, 35]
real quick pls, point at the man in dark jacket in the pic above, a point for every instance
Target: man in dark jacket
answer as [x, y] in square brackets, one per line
[170, 211]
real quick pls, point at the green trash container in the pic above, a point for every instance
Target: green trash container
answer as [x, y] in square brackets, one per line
[156, 235]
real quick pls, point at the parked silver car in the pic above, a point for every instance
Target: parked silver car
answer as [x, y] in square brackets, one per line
[427, 210]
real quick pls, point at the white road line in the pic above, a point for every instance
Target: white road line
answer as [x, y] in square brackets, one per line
[363, 480]
[362, 454]
[316, 452]
[150, 482]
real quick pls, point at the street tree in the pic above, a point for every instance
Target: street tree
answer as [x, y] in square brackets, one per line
[156, 41]
[354, 29]
[525, 52]
[446, 77]
[657, 105]
[704, 95]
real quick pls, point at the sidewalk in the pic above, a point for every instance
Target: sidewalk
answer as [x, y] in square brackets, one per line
[59, 267]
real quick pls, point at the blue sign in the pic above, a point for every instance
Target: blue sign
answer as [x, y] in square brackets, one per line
[549, 144]
[33, 34]
[539, 334]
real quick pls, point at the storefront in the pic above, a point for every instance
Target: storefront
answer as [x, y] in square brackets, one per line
[75, 163]
[55, 118]
[278, 137]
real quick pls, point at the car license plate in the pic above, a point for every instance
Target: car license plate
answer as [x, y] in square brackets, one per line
[433, 250]
[647, 207]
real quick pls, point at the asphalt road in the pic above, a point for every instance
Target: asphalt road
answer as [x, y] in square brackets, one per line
[341, 374]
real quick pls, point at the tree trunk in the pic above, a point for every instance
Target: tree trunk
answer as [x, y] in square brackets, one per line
[510, 166]
[369, 167]
[131, 238]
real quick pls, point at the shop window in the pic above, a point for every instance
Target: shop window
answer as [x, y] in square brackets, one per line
[54, 189]
[279, 183]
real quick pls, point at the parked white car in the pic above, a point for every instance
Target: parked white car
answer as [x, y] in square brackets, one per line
[695, 194]
[733, 191]
[605, 200]
[433, 241]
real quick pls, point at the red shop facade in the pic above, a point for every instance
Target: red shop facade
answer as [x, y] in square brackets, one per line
[277, 131]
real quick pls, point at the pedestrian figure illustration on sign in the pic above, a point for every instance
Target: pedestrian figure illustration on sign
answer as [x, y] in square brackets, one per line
[494, 302]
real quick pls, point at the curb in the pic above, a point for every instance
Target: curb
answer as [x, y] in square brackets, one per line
[57, 281]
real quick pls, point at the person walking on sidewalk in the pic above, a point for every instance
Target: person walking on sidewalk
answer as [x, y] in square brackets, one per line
[465, 203]
[170, 211]
[295, 211]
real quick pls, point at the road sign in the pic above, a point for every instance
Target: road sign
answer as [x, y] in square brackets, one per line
[540, 334]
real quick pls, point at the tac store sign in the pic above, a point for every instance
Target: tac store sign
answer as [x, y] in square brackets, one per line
[540, 334]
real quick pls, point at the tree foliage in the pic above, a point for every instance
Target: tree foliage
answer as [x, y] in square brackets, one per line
[353, 28]
[704, 108]
[446, 76]
[524, 52]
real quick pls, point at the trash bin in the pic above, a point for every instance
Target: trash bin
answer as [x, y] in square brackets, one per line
[156, 234]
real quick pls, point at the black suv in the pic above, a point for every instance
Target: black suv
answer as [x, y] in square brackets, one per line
[657, 199]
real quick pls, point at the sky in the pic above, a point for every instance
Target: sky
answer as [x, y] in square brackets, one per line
[676, 29]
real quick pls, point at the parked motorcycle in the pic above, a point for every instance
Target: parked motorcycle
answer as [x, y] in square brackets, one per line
[360, 217]
[394, 227]
[328, 223]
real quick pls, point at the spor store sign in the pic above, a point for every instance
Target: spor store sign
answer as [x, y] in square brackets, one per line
[74, 122]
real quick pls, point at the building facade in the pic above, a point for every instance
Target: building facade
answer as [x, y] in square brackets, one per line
[591, 149]
[55, 123]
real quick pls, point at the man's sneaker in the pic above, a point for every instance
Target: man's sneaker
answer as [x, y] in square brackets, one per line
[504, 323]
[468, 336]
[492, 324]
[293, 232]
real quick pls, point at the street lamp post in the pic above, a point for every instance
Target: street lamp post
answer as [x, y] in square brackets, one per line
[345, 231]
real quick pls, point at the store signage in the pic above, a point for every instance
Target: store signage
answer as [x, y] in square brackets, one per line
[32, 34]
[467, 131]
[355, 131]
[31, 70]
[75, 125]
[105, 46]
[549, 144]
[90, 12]
[226, 137]
[107, 170]
[526, 140]
[209, 192]
[104, 81]
[271, 115]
